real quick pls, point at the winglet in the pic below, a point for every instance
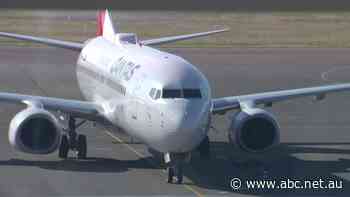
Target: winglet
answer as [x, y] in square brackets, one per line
[105, 26]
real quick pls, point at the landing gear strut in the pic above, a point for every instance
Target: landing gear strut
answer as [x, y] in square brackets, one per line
[73, 141]
[175, 162]
[175, 171]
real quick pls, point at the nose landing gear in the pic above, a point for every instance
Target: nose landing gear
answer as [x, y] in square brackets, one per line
[73, 141]
[175, 162]
[175, 172]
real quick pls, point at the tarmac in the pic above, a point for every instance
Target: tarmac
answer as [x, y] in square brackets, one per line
[315, 137]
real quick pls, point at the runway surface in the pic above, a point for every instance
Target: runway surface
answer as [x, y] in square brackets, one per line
[315, 136]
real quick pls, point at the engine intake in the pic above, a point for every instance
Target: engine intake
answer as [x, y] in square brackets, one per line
[254, 130]
[35, 130]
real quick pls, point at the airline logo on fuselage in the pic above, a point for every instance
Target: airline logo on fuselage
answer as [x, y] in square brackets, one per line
[123, 69]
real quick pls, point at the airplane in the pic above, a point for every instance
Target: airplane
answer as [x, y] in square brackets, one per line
[154, 96]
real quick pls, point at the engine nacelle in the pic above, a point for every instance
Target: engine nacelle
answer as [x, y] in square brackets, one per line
[35, 130]
[254, 130]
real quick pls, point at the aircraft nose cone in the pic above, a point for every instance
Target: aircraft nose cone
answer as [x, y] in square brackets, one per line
[185, 128]
[183, 117]
[180, 121]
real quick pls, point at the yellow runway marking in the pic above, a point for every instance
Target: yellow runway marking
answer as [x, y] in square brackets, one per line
[193, 190]
[125, 144]
[197, 193]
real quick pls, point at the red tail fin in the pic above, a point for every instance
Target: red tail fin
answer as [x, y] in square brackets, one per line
[100, 21]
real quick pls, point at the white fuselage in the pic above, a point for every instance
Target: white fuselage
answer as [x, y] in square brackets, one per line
[131, 82]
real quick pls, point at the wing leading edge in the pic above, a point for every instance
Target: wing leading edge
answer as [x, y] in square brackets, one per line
[221, 105]
[79, 46]
[48, 41]
[165, 40]
[82, 109]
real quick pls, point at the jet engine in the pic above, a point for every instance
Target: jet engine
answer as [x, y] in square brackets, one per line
[254, 130]
[35, 130]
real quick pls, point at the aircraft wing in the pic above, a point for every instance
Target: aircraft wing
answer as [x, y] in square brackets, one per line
[81, 109]
[48, 41]
[164, 40]
[221, 105]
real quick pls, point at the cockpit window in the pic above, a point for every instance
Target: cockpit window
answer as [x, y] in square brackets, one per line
[157, 95]
[154, 93]
[171, 93]
[192, 93]
[151, 93]
[181, 93]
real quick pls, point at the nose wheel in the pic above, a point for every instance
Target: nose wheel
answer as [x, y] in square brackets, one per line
[73, 141]
[175, 172]
[171, 174]
[175, 162]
